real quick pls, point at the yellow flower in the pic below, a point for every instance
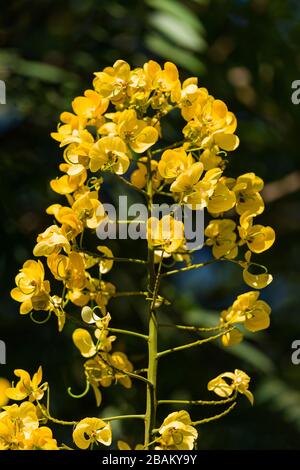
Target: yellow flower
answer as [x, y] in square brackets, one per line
[84, 342]
[75, 177]
[222, 199]
[193, 190]
[110, 153]
[90, 106]
[32, 290]
[27, 387]
[257, 237]
[166, 234]
[174, 162]
[230, 338]
[52, 240]
[112, 82]
[211, 158]
[254, 279]
[177, 432]
[189, 100]
[72, 127]
[135, 132]
[139, 177]
[105, 368]
[247, 188]
[89, 209]
[92, 430]
[254, 314]
[16, 425]
[121, 362]
[67, 135]
[167, 79]
[237, 381]
[258, 281]
[41, 439]
[222, 237]
[105, 264]
[71, 224]
[4, 385]
[69, 269]
[212, 124]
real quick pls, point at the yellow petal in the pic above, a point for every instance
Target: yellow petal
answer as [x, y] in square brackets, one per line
[226, 141]
[83, 341]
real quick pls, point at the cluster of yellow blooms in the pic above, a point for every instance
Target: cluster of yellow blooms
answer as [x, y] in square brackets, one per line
[112, 129]
[20, 424]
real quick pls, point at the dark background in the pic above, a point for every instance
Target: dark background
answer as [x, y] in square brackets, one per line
[247, 53]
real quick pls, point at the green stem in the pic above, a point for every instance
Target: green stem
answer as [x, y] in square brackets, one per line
[151, 404]
[176, 144]
[125, 181]
[113, 258]
[194, 328]
[129, 294]
[114, 418]
[188, 268]
[128, 332]
[196, 402]
[214, 418]
[81, 395]
[192, 345]
[55, 420]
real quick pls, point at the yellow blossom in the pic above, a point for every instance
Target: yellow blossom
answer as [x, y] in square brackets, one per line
[27, 387]
[212, 124]
[90, 106]
[52, 240]
[92, 430]
[110, 153]
[194, 191]
[174, 162]
[69, 269]
[16, 425]
[254, 314]
[177, 432]
[166, 233]
[4, 385]
[41, 439]
[222, 237]
[71, 225]
[139, 177]
[257, 237]
[75, 177]
[222, 199]
[105, 264]
[32, 290]
[135, 132]
[254, 279]
[112, 82]
[89, 209]
[247, 188]
[237, 381]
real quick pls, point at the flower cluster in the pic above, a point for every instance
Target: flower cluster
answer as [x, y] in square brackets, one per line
[20, 424]
[102, 368]
[116, 128]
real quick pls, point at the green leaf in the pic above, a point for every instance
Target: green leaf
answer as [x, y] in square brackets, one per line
[177, 31]
[281, 397]
[34, 69]
[178, 10]
[163, 48]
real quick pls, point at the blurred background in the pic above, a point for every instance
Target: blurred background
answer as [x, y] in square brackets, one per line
[247, 53]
